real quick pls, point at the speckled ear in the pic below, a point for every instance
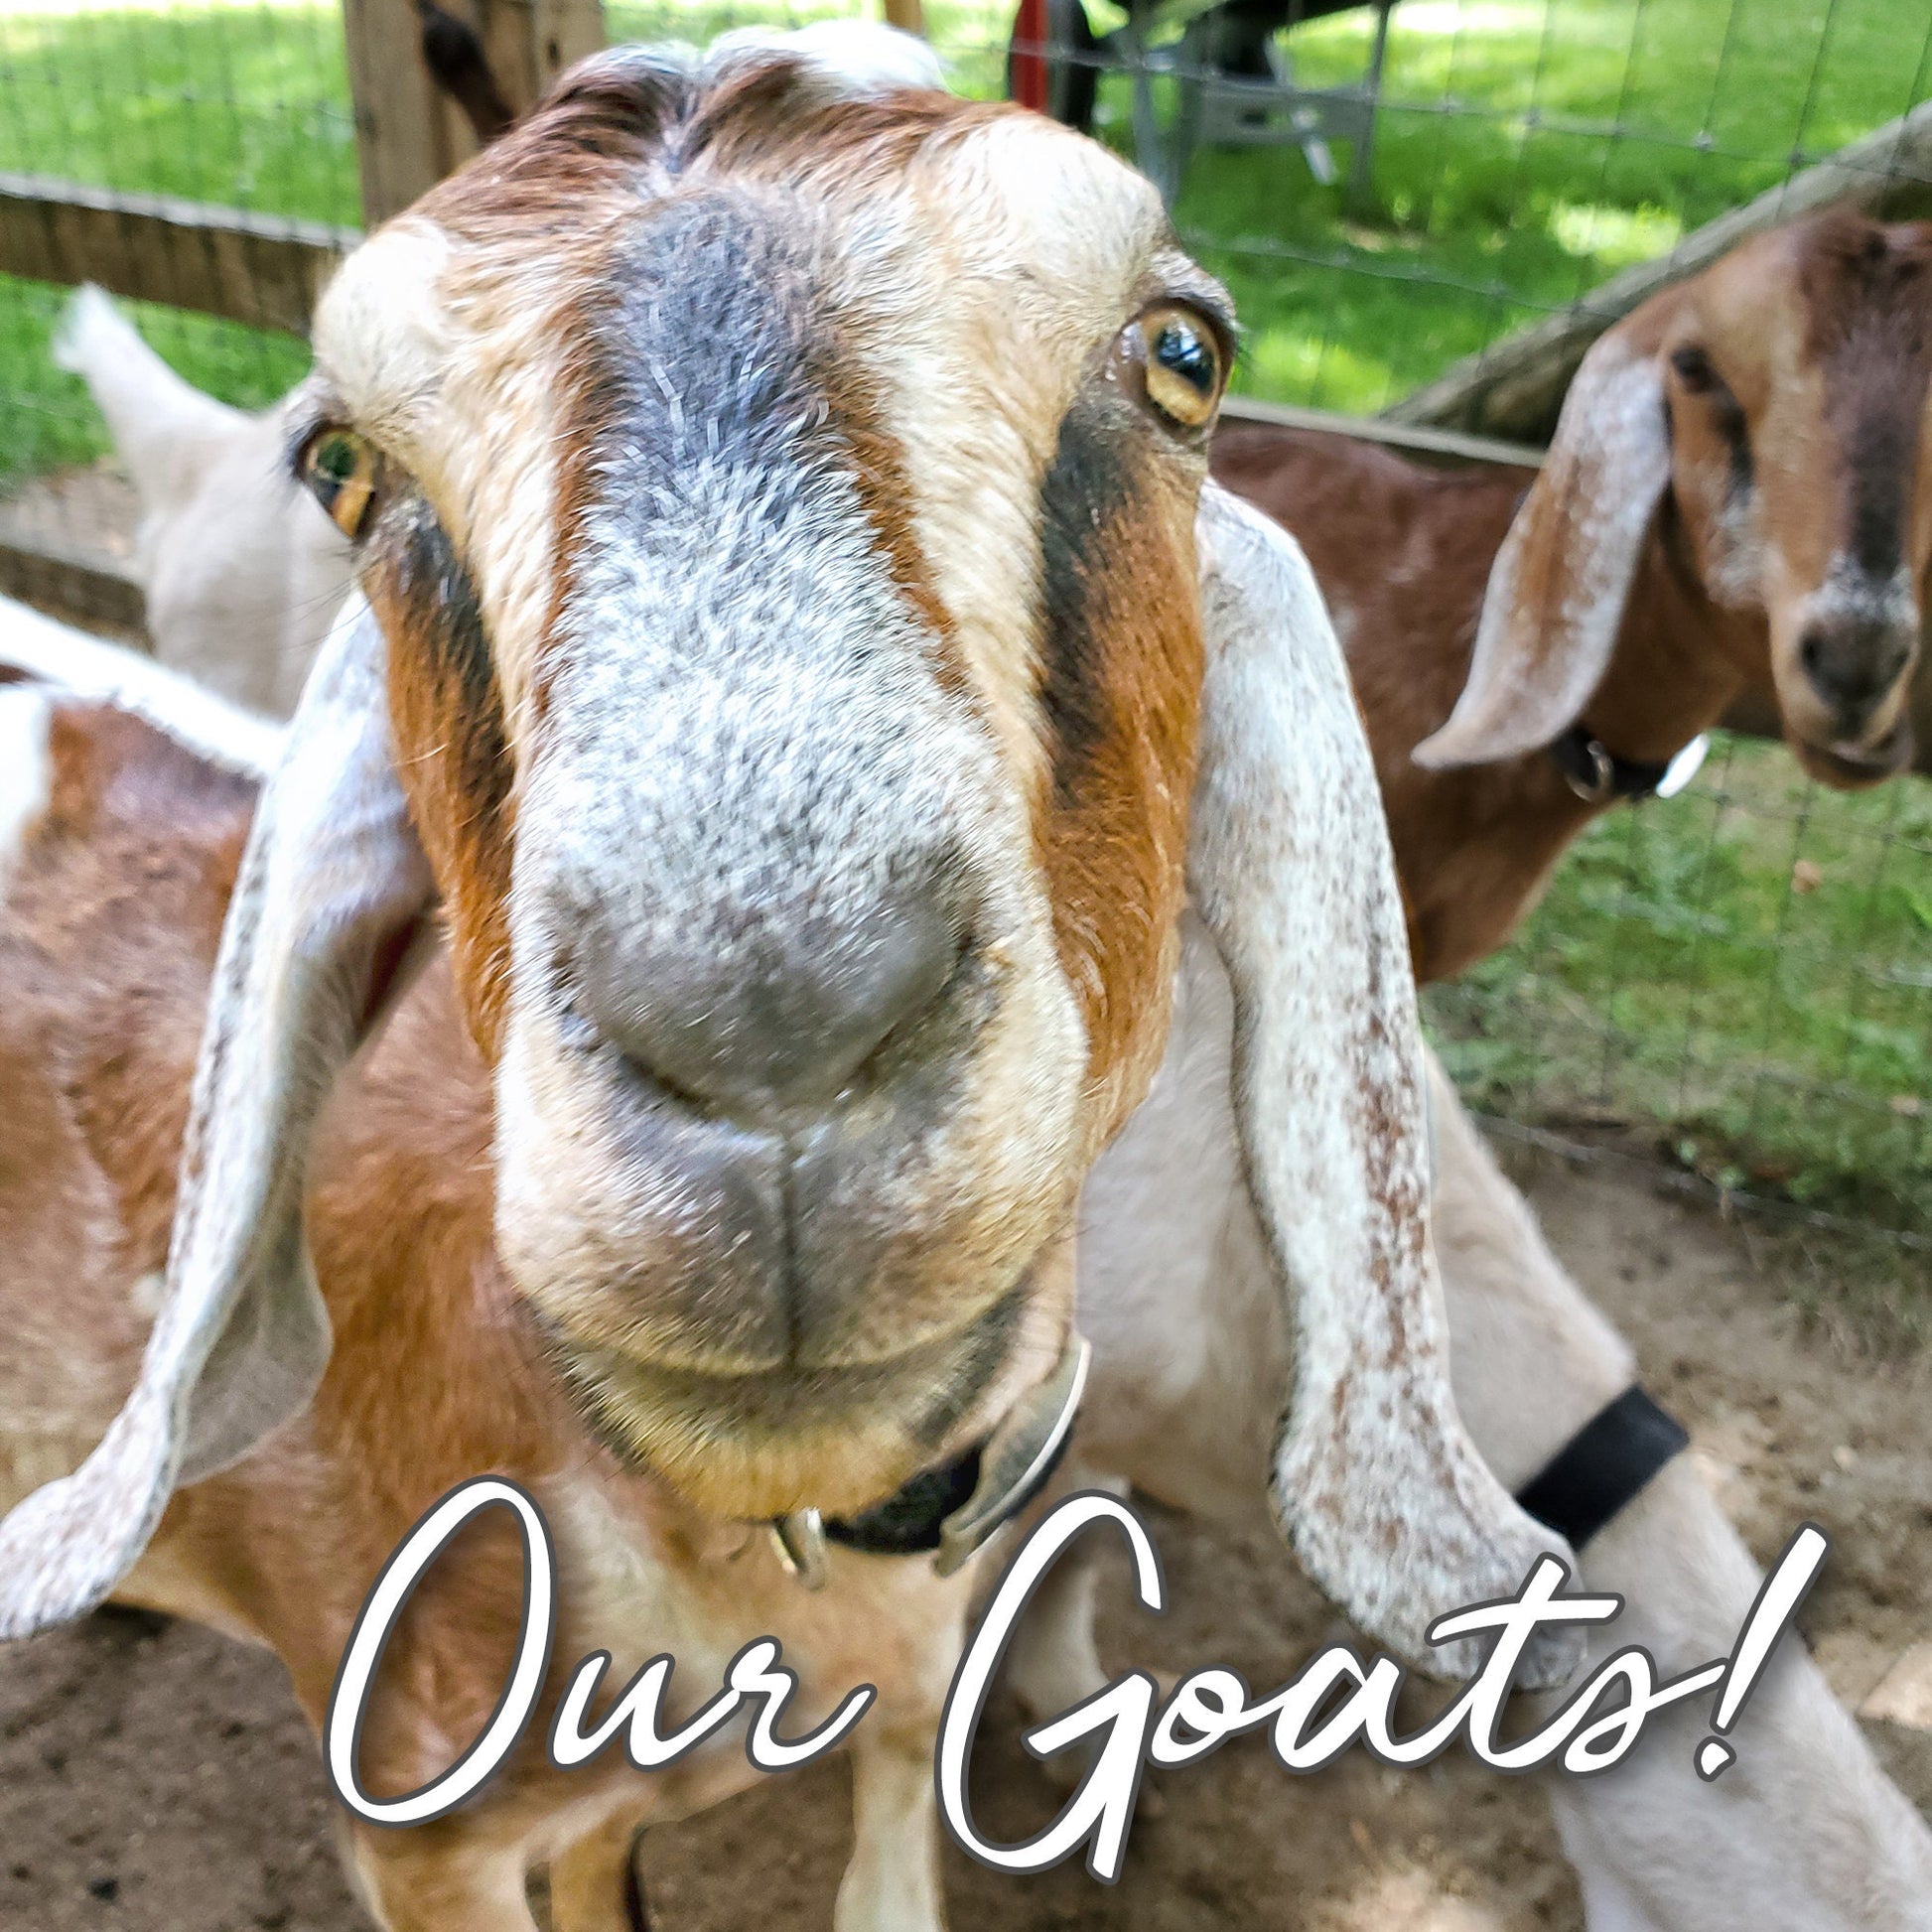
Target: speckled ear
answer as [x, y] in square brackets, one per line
[327, 920]
[1559, 582]
[1376, 1484]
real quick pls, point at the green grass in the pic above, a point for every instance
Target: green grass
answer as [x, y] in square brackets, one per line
[1498, 192]
[1528, 149]
[1673, 989]
[1736, 980]
[246, 105]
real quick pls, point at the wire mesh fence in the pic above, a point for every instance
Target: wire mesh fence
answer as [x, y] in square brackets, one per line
[246, 107]
[1734, 987]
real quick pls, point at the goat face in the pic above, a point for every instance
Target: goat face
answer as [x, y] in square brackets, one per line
[1802, 469]
[1768, 421]
[799, 512]
[800, 654]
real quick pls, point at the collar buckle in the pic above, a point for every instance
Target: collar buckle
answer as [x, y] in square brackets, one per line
[1595, 782]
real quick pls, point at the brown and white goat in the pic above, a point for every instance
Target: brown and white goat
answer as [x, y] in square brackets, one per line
[435, 1373]
[125, 837]
[794, 629]
[1737, 503]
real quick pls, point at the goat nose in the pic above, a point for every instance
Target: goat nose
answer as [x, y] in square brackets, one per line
[770, 1020]
[1853, 667]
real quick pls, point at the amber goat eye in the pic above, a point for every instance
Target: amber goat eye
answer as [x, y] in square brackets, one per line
[341, 470]
[1184, 366]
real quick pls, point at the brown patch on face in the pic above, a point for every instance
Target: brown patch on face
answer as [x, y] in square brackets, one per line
[1868, 296]
[1798, 368]
[613, 115]
[779, 118]
[453, 754]
[1120, 699]
[579, 142]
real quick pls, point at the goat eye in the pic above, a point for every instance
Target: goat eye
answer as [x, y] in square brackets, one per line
[1693, 370]
[1183, 367]
[341, 470]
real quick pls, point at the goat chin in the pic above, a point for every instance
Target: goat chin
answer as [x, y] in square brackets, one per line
[1813, 1835]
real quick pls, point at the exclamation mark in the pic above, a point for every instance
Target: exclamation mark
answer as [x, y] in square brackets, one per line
[1784, 1590]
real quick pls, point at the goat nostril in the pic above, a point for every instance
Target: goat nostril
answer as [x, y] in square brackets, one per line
[1814, 655]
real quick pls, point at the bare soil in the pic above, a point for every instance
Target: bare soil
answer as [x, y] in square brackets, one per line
[157, 1779]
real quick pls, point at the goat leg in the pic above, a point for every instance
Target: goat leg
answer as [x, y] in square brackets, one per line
[594, 1884]
[435, 1878]
[892, 1882]
[1804, 1831]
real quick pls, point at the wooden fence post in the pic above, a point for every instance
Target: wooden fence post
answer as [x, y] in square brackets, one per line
[408, 135]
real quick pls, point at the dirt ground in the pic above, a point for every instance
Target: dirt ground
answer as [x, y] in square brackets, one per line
[158, 1781]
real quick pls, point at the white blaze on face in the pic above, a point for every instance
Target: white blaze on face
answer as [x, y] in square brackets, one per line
[977, 363]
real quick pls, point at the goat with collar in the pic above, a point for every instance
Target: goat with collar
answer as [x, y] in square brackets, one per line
[799, 677]
[1735, 510]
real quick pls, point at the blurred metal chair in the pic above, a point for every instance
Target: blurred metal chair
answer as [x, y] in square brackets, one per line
[1232, 72]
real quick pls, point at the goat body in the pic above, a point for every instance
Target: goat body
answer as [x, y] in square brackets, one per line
[438, 1373]
[1807, 1835]
[119, 861]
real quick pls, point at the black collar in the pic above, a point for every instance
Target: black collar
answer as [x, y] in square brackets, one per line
[1604, 1468]
[907, 1522]
[950, 1511]
[1597, 776]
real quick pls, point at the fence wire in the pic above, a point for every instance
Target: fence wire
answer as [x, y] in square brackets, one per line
[1734, 988]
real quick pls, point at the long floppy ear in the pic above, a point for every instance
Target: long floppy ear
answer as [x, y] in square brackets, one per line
[327, 920]
[1379, 1490]
[1558, 588]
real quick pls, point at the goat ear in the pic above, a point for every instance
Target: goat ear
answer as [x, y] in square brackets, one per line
[1558, 588]
[328, 915]
[1379, 1490]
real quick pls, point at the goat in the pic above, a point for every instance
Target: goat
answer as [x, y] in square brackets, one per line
[243, 572]
[1186, 1354]
[810, 882]
[1188, 1351]
[146, 780]
[1617, 1842]
[1450, 525]
[1737, 503]
[1755, 525]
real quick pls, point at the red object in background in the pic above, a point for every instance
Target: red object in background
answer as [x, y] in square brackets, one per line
[1028, 65]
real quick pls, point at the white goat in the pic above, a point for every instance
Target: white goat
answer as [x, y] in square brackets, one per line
[1804, 1833]
[242, 571]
